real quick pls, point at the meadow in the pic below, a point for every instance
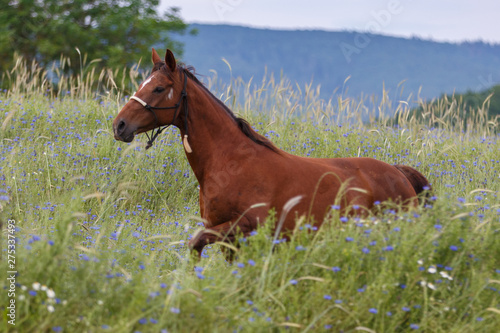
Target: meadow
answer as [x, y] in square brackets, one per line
[101, 226]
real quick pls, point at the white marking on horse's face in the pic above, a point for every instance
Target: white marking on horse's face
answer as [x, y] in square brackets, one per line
[145, 82]
[170, 94]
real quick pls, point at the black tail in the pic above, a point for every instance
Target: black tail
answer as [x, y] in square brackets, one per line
[418, 181]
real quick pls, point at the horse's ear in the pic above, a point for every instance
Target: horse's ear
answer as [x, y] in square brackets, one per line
[170, 61]
[156, 58]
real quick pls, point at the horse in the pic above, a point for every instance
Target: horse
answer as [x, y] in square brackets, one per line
[242, 175]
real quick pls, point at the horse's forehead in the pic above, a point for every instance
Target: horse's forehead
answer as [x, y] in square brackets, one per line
[147, 81]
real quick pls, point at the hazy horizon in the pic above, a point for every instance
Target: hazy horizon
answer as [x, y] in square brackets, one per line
[443, 21]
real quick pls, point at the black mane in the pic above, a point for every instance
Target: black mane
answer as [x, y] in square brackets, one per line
[243, 125]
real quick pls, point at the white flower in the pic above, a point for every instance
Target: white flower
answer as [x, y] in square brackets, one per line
[51, 293]
[420, 262]
[24, 288]
[21, 297]
[44, 288]
[100, 302]
[431, 286]
[432, 270]
[36, 286]
[50, 308]
[445, 275]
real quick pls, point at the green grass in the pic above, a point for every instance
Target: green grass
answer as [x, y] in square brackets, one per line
[104, 224]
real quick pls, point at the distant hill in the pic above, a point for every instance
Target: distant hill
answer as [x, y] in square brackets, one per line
[328, 58]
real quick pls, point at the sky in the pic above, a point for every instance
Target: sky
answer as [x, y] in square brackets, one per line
[439, 20]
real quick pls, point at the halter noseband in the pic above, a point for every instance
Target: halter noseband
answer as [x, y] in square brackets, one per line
[159, 129]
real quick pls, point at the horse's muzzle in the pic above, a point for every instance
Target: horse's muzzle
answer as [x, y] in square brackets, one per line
[122, 132]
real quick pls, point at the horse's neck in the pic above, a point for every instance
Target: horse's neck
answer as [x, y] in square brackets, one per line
[213, 134]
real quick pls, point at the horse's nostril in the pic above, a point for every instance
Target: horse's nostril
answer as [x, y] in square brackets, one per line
[121, 126]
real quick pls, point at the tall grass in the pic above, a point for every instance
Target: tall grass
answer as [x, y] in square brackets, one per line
[102, 226]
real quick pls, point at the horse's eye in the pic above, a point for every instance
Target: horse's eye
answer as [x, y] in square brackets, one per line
[159, 90]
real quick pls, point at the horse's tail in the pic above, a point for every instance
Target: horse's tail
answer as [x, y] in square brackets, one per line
[418, 181]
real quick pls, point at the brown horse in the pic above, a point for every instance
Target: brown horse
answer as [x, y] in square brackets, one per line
[241, 174]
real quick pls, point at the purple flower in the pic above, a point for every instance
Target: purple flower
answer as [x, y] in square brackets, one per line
[344, 219]
[414, 326]
[251, 262]
[327, 297]
[293, 282]
[373, 310]
[453, 248]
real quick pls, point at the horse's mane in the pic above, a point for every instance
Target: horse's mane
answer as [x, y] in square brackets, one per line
[242, 124]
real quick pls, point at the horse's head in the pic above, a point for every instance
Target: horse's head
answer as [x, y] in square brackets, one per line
[156, 102]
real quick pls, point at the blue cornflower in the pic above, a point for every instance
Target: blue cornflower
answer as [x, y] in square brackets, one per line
[251, 262]
[365, 250]
[143, 321]
[327, 297]
[349, 239]
[373, 310]
[293, 282]
[453, 248]
[344, 219]
[414, 326]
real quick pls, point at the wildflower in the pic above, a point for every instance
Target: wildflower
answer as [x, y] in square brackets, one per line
[453, 248]
[50, 293]
[414, 326]
[327, 297]
[373, 310]
[50, 308]
[349, 239]
[432, 270]
[344, 219]
[365, 250]
[251, 262]
[405, 309]
[336, 269]
[36, 286]
[175, 310]
[293, 282]
[143, 321]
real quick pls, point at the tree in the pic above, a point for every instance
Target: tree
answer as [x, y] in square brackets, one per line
[119, 32]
